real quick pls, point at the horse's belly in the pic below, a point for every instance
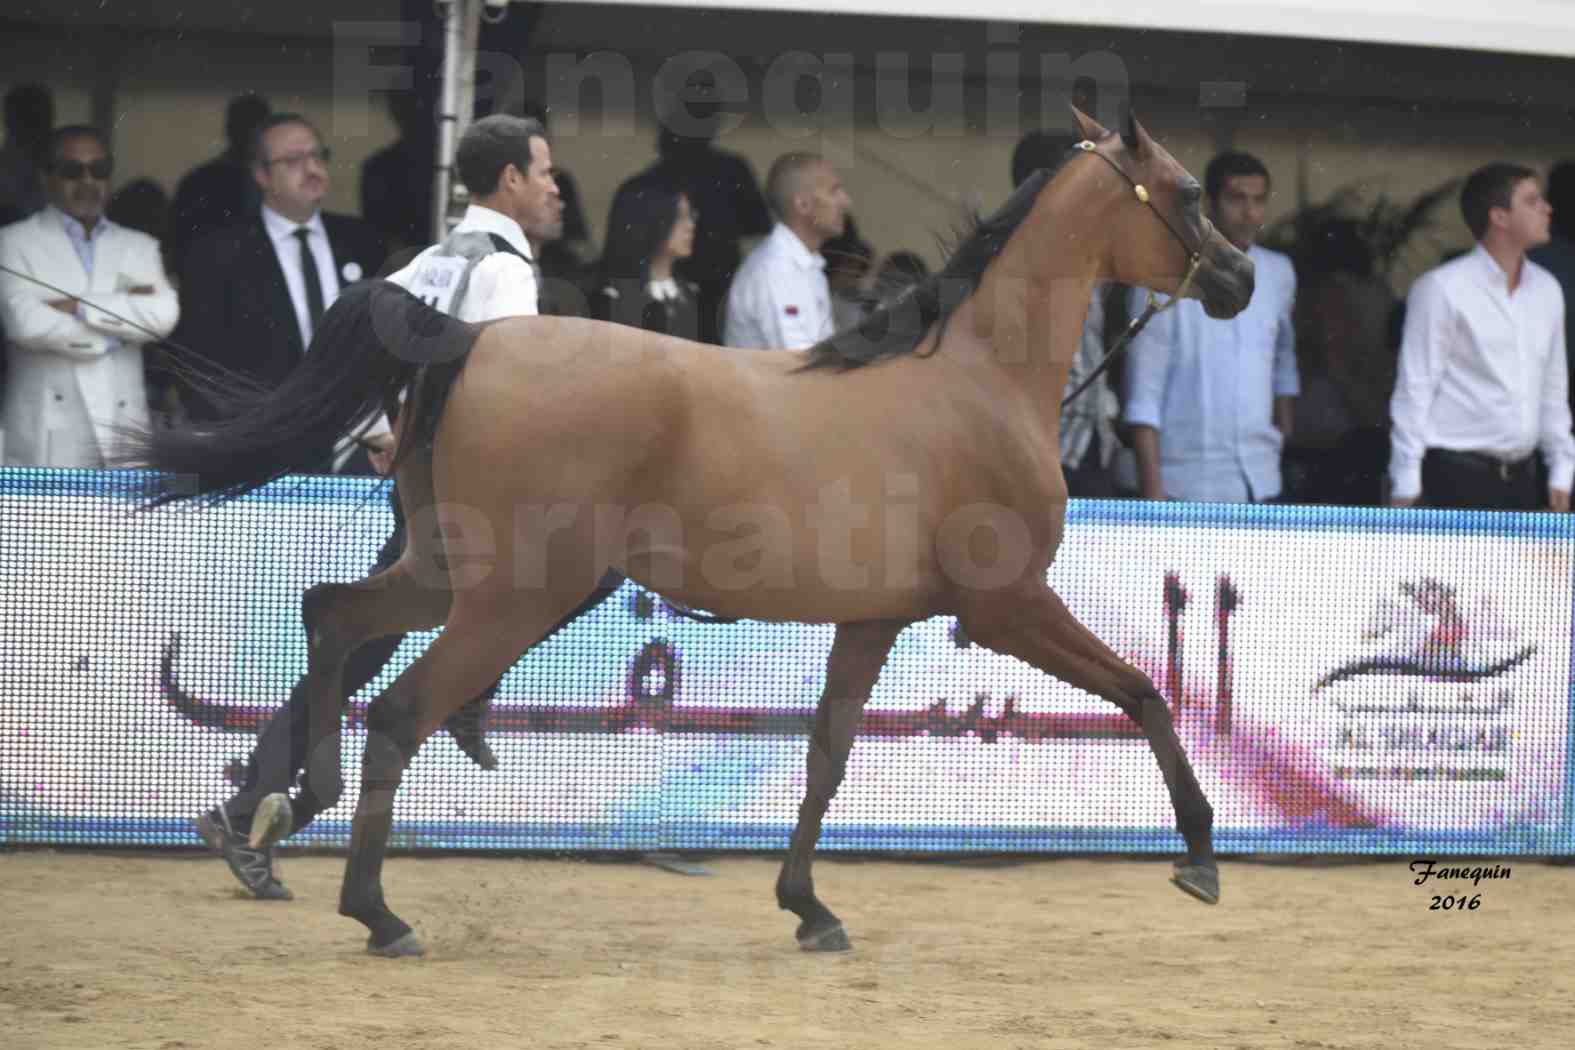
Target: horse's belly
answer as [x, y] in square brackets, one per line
[750, 578]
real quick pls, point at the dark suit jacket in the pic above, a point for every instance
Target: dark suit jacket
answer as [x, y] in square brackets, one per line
[627, 302]
[212, 196]
[396, 192]
[235, 306]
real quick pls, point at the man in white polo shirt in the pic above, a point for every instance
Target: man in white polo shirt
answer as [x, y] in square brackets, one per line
[780, 299]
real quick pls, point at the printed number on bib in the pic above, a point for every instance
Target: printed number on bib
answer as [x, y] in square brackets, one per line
[437, 280]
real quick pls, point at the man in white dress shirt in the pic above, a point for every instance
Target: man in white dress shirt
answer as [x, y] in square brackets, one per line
[75, 372]
[780, 298]
[1483, 381]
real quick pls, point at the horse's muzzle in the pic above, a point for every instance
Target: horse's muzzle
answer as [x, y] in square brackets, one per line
[1225, 281]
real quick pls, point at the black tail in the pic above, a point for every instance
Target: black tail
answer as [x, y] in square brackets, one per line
[369, 346]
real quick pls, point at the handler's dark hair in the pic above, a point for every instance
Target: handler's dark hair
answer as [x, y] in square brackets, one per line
[490, 145]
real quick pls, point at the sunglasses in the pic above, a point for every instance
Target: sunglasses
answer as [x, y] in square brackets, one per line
[72, 170]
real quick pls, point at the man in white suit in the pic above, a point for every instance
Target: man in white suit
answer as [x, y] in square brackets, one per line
[75, 371]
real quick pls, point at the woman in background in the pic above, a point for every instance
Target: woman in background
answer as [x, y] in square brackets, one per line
[650, 227]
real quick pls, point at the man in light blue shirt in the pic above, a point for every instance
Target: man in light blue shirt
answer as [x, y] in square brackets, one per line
[1209, 402]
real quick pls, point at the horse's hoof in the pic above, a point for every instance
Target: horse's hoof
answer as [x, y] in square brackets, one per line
[1202, 883]
[272, 823]
[408, 945]
[831, 938]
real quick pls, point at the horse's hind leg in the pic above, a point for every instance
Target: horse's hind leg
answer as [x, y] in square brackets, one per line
[411, 594]
[485, 634]
[857, 655]
[339, 618]
[1046, 635]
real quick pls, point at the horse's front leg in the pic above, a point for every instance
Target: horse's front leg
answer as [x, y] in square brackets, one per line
[1040, 630]
[857, 655]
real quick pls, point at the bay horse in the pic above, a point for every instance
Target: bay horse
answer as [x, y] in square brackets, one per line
[904, 469]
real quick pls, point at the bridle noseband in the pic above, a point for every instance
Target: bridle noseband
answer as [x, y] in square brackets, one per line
[1153, 307]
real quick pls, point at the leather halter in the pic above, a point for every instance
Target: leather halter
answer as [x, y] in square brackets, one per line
[1153, 307]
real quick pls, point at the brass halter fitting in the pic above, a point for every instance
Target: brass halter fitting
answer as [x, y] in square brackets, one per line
[1152, 306]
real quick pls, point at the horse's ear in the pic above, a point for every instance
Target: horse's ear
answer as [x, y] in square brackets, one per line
[1087, 125]
[1132, 136]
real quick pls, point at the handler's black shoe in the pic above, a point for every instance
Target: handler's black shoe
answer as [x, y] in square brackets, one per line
[467, 727]
[252, 867]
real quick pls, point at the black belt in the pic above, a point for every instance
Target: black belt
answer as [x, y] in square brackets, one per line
[1506, 469]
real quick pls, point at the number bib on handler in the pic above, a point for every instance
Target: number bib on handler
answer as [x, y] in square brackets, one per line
[438, 280]
[441, 277]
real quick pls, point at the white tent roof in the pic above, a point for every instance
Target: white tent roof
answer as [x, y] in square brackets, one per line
[1539, 27]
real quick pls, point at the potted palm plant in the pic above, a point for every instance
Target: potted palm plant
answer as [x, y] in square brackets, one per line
[1352, 252]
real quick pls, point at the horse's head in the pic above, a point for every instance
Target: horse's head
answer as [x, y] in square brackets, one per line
[1164, 236]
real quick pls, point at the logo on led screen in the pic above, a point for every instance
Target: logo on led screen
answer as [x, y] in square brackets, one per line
[1429, 691]
[1430, 638]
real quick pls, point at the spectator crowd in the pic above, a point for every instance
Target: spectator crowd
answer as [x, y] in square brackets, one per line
[1326, 389]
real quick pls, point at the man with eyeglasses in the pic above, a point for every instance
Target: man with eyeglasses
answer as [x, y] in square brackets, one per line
[252, 294]
[75, 370]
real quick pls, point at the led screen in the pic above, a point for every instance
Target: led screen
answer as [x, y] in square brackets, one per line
[1343, 680]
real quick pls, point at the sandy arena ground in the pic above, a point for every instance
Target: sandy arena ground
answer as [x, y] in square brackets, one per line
[158, 952]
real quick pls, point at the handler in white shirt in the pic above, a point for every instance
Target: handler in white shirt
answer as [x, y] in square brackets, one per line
[780, 299]
[506, 163]
[469, 274]
[1483, 380]
[504, 283]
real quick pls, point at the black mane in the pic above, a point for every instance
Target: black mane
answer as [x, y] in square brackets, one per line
[899, 328]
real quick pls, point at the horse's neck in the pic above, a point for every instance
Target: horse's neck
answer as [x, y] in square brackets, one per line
[1030, 329]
